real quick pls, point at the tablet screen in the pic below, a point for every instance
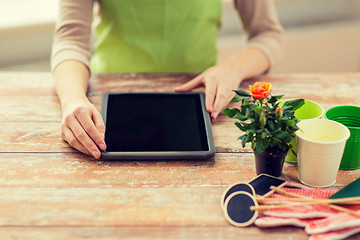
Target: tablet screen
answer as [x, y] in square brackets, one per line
[148, 122]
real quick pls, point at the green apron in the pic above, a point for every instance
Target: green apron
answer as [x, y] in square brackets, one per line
[163, 36]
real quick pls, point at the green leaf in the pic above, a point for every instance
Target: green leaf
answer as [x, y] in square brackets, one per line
[246, 102]
[244, 139]
[247, 113]
[241, 117]
[273, 99]
[267, 131]
[231, 112]
[294, 104]
[277, 96]
[263, 135]
[282, 135]
[242, 93]
[276, 140]
[271, 125]
[284, 147]
[290, 123]
[240, 126]
[275, 106]
[260, 148]
[295, 128]
[234, 113]
[236, 99]
[250, 132]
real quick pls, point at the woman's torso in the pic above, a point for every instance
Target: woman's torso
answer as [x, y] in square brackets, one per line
[157, 36]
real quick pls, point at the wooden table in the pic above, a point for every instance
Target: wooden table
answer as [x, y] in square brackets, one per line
[50, 191]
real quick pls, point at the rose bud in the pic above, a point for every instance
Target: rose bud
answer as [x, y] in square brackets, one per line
[279, 112]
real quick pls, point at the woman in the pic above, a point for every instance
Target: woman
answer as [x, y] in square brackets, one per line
[164, 36]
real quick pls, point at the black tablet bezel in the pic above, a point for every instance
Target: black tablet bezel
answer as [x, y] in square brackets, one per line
[163, 155]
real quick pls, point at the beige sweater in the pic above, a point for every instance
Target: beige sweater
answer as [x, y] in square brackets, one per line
[73, 29]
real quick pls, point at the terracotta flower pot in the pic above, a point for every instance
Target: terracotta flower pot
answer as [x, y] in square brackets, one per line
[270, 162]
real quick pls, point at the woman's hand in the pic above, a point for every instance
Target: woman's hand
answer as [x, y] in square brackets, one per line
[222, 79]
[83, 127]
[219, 82]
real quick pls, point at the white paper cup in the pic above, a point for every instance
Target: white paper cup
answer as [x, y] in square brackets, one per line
[320, 146]
[309, 110]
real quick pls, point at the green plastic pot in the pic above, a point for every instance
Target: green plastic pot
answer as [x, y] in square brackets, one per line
[350, 117]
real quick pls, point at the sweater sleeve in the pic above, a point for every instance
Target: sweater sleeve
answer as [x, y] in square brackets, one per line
[261, 23]
[72, 34]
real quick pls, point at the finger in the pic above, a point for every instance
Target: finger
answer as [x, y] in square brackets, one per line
[223, 98]
[100, 126]
[69, 137]
[190, 85]
[83, 137]
[89, 126]
[98, 121]
[210, 91]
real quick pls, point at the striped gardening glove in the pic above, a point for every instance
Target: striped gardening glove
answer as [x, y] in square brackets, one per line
[320, 221]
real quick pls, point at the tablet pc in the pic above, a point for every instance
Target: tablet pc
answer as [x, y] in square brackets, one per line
[157, 126]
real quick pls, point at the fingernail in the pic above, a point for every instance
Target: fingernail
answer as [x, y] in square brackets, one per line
[214, 115]
[210, 109]
[102, 146]
[96, 154]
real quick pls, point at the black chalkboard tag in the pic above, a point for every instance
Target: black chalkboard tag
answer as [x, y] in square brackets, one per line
[263, 182]
[245, 187]
[237, 209]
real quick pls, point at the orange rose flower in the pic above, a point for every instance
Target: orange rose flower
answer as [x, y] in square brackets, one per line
[260, 90]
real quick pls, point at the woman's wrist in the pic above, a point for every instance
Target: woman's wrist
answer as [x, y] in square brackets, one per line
[71, 81]
[72, 99]
[249, 63]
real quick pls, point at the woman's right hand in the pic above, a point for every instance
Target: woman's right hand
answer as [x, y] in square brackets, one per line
[83, 127]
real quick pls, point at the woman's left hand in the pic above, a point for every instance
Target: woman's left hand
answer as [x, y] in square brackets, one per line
[219, 82]
[222, 79]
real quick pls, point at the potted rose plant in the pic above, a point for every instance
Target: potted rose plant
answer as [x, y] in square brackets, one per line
[268, 127]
